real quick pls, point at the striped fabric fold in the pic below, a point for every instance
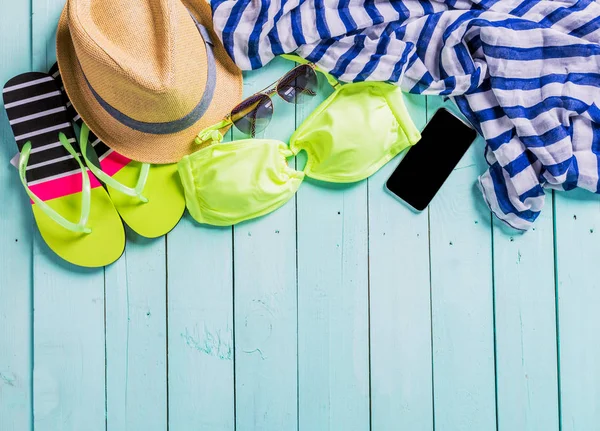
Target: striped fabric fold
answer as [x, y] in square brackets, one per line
[526, 74]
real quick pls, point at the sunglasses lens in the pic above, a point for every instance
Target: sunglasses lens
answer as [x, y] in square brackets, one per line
[253, 115]
[299, 85]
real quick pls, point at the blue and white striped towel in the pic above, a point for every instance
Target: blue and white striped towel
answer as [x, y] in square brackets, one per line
[526, 73]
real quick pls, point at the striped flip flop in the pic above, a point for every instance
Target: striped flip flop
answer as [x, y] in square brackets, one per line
[73, 212]
[149, 198]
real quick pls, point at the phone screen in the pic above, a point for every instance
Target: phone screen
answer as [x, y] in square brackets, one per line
[430, 162]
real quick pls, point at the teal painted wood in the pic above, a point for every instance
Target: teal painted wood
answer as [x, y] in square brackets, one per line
[45, 14]
[400, 324]
[524, 287]
[68, 384]
[200, 307]
[68, 319]
[68, 351]
[136, 337]
[16, 279]
[333, 300]
[578, 276]
[462, 298]
[265, 309]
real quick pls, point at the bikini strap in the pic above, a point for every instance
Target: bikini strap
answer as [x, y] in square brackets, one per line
[330, 78]
[212, 133]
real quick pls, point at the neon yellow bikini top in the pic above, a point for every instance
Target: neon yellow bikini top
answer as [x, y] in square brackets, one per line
[349, 137]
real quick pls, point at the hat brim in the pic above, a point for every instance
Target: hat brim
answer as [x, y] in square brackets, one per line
[139, 146]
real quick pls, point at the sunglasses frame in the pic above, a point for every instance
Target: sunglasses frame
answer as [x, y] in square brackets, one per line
[270, 90]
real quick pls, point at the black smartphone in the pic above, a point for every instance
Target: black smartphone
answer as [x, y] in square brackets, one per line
[430, 162]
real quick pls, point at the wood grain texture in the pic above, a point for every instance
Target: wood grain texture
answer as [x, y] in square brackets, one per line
[136, 337]
[526, 376]
[462, 298]
[578, 287]
[68, 319]
[200, 306]
[374, 318]
[69, 361]
[265, 307]
[400, 330]
[16, 223]
[333, 299]
[44, 18]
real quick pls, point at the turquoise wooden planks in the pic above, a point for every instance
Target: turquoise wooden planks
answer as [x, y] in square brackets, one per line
[462, 298]
[265, 297]
[45, 15]
[68, 386]
[526, 376]
[15, 240]
[200, 308]
[333, 302]
[577, 223]
[136, 337]
[311, 373]
[68, 320]
[400, 324]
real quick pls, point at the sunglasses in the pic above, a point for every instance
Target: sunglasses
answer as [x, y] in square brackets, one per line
[254, 114]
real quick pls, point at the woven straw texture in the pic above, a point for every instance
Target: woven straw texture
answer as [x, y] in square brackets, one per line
[147, 59]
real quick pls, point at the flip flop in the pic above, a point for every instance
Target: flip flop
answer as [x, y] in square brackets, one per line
[60, 187]
[149, 198]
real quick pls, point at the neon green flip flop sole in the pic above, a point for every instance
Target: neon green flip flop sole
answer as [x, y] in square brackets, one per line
[166, 202]
[103, 246]
[75, 215]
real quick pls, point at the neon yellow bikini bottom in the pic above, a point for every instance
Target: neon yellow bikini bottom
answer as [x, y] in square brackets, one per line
[349, 137]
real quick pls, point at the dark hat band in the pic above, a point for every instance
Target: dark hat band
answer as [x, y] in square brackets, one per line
[177, 125]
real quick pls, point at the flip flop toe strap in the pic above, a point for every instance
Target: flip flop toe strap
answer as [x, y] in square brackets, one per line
[107, 179]
[86, 190]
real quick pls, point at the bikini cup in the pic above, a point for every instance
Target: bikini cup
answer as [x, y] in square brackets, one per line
[350, 136]
[355, 132]
[229, 182]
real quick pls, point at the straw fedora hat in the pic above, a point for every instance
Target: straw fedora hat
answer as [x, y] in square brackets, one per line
[146, 75]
